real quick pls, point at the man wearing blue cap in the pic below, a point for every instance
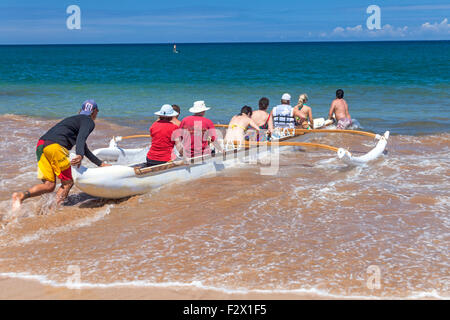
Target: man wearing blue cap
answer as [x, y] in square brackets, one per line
[52, 153]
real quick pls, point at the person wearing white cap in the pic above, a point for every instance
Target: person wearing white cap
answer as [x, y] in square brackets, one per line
[286, 97]
[162, 142]
[198, 131]
[284, 114]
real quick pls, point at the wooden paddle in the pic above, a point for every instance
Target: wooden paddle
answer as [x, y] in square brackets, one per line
[289, 143]
[301, 131]
[177, 163]
[136, 136]
[255, 143]
[362, 133]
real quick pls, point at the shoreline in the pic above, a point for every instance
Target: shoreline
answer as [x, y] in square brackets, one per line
[143, 226]
[32, 289]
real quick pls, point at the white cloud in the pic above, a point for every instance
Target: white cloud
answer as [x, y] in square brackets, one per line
[348, 31]
[356, 29]
[338, 30]
[431, 30]
[390, 31]
[417, 7]
[359, 31]
[443, 27]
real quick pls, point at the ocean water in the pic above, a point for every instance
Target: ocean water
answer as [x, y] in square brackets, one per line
[317, 227]
[400, 86]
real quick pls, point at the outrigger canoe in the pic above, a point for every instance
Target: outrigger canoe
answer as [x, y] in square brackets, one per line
[127, 178]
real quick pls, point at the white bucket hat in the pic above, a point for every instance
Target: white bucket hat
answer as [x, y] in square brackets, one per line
[286, 97]
[199, 106]
[166, 111]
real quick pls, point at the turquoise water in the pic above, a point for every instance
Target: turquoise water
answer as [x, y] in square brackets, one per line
[401, 86]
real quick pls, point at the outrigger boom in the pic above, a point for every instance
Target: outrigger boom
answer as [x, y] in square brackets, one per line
[120, 181]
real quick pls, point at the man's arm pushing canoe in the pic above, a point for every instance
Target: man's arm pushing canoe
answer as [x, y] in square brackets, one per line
[52, 152]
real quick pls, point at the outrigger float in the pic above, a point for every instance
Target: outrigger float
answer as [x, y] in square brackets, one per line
[126, 177]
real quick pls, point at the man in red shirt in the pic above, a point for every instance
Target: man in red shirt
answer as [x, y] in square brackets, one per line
[163, 139]
[198, 131]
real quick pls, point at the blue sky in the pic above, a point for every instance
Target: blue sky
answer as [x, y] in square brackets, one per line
[176, 21]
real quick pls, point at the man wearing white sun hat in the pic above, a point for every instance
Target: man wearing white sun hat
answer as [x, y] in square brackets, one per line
[163, 139]
[198, 131]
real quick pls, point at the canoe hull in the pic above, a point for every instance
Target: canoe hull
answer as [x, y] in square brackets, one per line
[119, 181]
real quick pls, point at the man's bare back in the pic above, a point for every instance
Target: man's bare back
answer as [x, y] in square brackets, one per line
[339, 108]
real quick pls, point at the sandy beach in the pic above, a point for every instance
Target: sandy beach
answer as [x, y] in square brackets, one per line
[273, 237]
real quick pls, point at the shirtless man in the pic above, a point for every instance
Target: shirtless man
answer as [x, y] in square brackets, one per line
[237, 127]
[339, 108]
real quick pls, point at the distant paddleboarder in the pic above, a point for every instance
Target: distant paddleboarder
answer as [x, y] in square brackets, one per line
[175, 48]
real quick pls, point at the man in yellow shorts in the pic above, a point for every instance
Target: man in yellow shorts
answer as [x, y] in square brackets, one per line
[52, 153]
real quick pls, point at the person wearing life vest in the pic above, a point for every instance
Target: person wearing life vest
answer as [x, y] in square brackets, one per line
[284, 114]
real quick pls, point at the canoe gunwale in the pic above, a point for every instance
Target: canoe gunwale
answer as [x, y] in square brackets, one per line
[203, 158]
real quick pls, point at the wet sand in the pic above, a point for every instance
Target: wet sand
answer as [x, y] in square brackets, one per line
[311, 231]
[33, 290]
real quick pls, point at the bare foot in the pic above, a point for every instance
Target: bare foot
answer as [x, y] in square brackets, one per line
[17, 199]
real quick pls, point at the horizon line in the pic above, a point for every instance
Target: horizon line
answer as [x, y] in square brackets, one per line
[220, 42]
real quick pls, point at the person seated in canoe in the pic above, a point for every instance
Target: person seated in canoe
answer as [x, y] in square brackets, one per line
[238, 125]
[261, 117]
[197, 132]
[175, 120]
[304, 117]
[339, 109]
[163, 138]
[284, 114]
[52, 153]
